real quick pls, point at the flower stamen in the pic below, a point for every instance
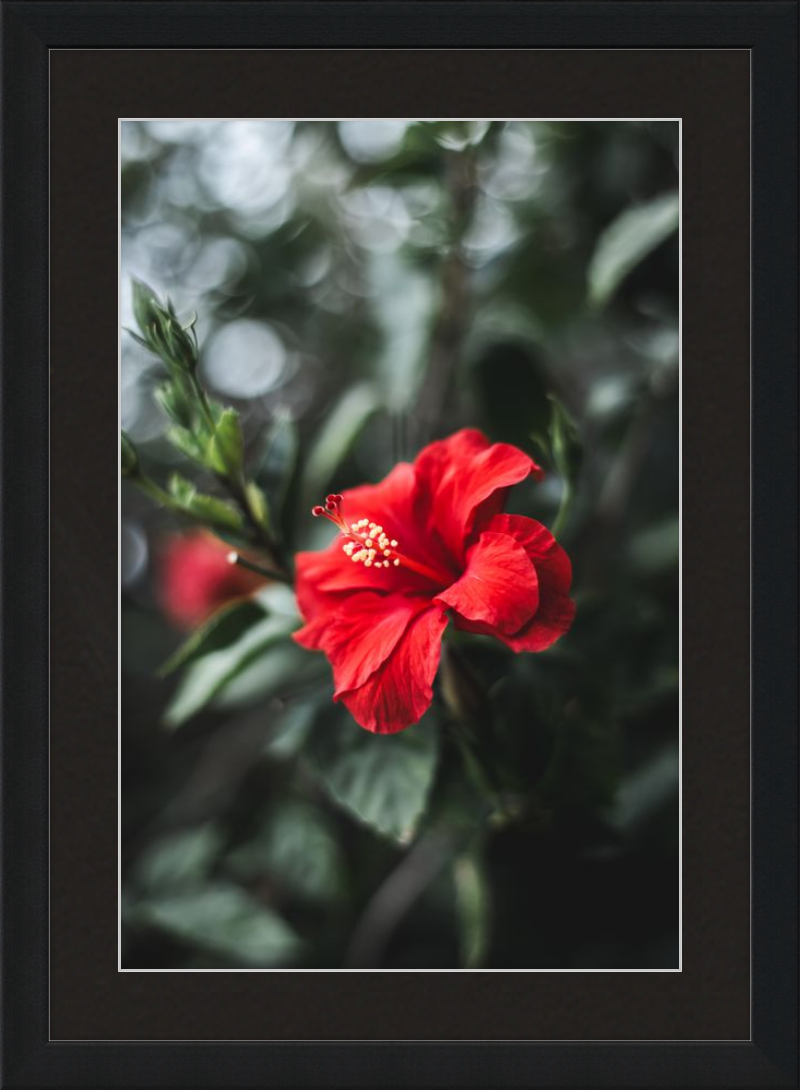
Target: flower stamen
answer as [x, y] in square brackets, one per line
[368, 543]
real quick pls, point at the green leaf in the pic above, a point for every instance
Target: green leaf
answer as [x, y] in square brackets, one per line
[384, 780]
[129, 459]
[295, 847]
[258, 503]
[175, 402]
[566, 454]
[221, 630]
[337, 437]
[226, 449]
[186, 442]
[216, 512]
[285, 671]
[206, 508]
[222, 918]
[564, 443]
[207, 677]
[183, 858]
[291, 731]
[627, 241]
[473, 899]
[139, 340]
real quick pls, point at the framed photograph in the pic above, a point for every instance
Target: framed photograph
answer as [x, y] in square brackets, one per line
[412, 701]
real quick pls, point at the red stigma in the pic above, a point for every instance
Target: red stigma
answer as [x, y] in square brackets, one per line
[332, 511]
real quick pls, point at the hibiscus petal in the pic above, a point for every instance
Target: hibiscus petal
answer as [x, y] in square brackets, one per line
[362, 634]
[499, 587]
[551, 562]
[400, 691]
[323, 576]
[556, 610]
[387, 502]
[462, 481]
[553, 619]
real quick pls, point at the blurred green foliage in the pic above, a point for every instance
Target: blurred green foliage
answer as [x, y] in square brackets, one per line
[356, 289]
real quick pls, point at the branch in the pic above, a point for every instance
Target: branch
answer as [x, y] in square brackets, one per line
[394, 898]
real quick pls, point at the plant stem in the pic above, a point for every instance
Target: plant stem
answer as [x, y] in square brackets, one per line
[267, 573]
[394, 898]
[238, 491]
[450, 324]
[237, 487]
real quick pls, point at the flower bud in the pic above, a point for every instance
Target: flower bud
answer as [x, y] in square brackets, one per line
[174, 403]
[145, 304]
[161, 331]
[196, 578]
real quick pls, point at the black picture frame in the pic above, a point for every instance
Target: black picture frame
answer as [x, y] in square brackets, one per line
[29, 31]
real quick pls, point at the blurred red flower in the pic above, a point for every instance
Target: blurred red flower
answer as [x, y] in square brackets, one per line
[195, 578]
[427, 542]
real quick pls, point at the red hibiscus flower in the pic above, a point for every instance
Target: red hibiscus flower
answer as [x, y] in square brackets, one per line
[196, 578]
[426, 544]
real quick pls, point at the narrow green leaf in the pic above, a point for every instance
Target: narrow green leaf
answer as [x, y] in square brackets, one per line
[627, 241]
[129, 460]
[145, 305]
[473, 897]
[566, 454]
[221, 630]
[226, 449]
[209, 676]
[138, 339]
[175, 402]
[206, 508]
[187, 443]
[257, 502]
[216, 512]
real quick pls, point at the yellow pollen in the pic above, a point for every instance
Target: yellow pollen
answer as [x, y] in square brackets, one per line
[368, 544]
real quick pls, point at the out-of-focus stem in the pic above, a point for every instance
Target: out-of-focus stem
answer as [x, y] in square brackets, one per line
[395, 897]
[451, 321]
[267, 573]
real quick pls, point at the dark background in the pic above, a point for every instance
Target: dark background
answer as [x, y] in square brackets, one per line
[722, 562]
